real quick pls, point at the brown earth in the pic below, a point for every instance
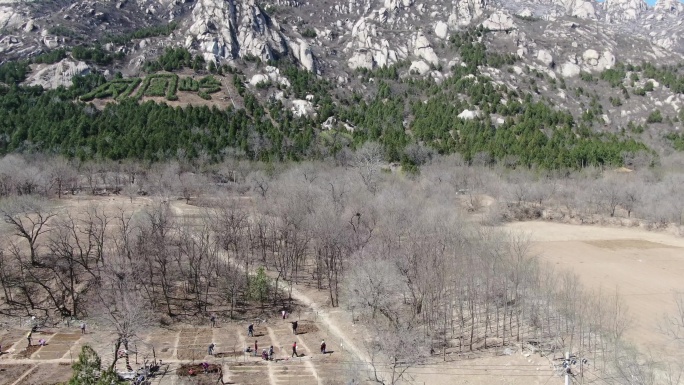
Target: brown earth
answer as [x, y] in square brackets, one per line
[645, 268]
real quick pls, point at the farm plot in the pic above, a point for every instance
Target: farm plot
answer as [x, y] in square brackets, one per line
[50, 374]
[57, 346]
[10, 373]
[193, 343]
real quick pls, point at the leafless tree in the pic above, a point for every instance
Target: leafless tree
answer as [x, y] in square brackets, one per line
[367, 161]
[121, 308]
[27, 216]
[393, 350]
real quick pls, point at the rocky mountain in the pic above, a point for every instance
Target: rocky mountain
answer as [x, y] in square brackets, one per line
[346, 35]
[566, 42]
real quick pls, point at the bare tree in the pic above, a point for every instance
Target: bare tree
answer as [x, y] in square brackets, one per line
[367, 161]
[394, 350]
[122, 309]
[28, 216]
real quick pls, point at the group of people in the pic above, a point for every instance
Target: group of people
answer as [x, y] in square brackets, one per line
[266, 354]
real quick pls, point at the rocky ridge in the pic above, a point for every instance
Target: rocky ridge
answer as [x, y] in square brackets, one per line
[334, 38]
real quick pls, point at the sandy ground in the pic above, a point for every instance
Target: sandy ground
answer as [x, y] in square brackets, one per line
[645, 268]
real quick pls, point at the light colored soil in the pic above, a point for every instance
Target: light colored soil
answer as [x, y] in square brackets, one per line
[644, 267]
[10, 373]
[48, 375]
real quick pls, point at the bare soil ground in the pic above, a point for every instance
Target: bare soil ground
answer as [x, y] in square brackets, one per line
[644, 267]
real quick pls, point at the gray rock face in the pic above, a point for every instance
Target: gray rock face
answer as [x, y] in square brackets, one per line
[465, 11]
[545, 57]
[58, 74]
[597, 62]
[583, 9]
[230, 29]
[674, 7]
[499, 21]
[569, 70]
[441, 30]
[621, 10]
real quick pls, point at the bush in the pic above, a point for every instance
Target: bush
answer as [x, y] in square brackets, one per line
[655, 117]
[310, 33]
[51, 57]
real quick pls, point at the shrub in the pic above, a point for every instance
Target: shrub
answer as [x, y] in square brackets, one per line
[310, 33]
[655, 117]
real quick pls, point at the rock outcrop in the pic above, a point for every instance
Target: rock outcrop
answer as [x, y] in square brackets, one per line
[545, 57]
[621, 10]
[465, 11]
[271, 74]
[674, 7]
[58, 74]
[569, 70]
[394, 5]
[499, 21]
[441, 30]
[420, 67]
[423, 49]
[230, 29]
[368, 50]
[597, 62]
[302, 108]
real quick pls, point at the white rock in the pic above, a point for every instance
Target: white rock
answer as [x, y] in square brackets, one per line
[227, 31]
[465, 11]
[569, 70]
[423, 49]
[499, 21]
[420, 67]
[301, 108]
[29, 26]
[10, 18]
[394, 5]
[258, 78]
[58, 74]
[468, 114]
[669, 6]
[361, 59]
[594, 61]
[525, 13]
[545, 57]
[303, 54]
[329, 123]
[620, 10]
[441, 30]
[581, 9]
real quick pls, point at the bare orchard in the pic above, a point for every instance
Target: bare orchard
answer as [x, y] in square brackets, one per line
[404, 275]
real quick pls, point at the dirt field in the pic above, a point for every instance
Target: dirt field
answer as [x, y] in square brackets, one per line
[645, 268]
